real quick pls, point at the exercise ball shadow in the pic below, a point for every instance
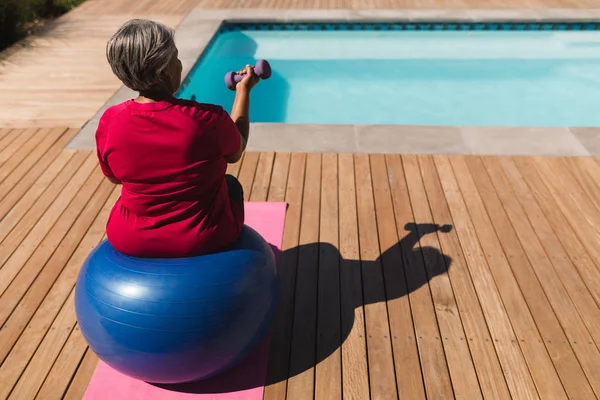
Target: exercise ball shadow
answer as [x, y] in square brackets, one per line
[406, 267]
[177, 320]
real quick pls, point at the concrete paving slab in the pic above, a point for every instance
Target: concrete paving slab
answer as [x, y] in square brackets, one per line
[522, 141]
[410, 139]
[589, 138]
[303, 138]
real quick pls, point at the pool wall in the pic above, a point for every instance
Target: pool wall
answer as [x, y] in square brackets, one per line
[200, 26]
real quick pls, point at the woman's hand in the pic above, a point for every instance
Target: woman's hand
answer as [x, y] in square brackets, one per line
[250, 78]
[240, 112]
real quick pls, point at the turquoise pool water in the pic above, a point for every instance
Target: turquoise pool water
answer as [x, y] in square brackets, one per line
[499, 78]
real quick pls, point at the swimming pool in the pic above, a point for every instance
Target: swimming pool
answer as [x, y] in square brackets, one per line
[444, 74]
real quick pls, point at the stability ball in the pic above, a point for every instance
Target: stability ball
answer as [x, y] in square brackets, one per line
[177, 320]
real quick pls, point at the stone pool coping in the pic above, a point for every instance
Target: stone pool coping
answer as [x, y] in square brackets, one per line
[197, 29]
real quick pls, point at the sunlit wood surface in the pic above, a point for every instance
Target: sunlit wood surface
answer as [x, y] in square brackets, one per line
[498, 300]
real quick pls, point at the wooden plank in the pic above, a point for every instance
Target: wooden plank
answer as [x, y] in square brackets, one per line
[382, 375]
[328, 373]
[355, 373]
[537, 278]
[164, 7]
[35, 373]
[247, 173]
[279, 179]
[32, 265]
[63, 370]
[489, 372]
[579, 211]
[183, 7]
[23, 201]
[9, 136]
[234, 169]
[576, 383]
[30, 152]
[37, 348]
[12, 144]
[82, 377]
[430, 264]
[14, 323]
[514, 276]
[279, 351]
[517, 374]
[585, 171]
[557, 170]
[22, 217]
[3, 134]
[571, 294]
[16, 226]
[515, 279]
[13, 188]
[34, 162]
[301, 383]
[389, 188]
[37, 233]
[262, 177]
[525, 178]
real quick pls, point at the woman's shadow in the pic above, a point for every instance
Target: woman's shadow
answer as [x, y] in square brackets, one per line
[343, 285]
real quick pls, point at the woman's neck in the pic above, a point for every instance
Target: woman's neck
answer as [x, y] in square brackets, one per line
[152, 97]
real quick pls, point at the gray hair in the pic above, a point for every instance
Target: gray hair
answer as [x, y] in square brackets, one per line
[139, 52]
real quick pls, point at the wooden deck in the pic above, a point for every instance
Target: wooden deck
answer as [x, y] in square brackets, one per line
[410, 276]
[404, 276]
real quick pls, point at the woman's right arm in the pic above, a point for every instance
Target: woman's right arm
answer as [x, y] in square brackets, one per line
[240, 112]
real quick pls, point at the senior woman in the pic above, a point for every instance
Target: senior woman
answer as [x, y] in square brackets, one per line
[170, 155]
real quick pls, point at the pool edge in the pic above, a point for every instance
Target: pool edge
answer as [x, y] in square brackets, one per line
[198, 28]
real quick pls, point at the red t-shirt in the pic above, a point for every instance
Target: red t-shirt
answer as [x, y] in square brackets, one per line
[170, 158]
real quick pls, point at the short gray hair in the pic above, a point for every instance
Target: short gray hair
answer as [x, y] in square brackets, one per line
[139, 52]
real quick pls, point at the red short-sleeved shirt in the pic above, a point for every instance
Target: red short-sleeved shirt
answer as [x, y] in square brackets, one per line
[171, 159]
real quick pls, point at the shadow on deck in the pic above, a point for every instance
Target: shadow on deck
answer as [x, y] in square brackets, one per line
[406, 265]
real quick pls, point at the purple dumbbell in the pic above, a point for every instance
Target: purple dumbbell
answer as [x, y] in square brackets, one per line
[262, 69]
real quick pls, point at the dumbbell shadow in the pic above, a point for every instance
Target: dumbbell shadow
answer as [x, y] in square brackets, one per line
[333, 288]
[398, 271]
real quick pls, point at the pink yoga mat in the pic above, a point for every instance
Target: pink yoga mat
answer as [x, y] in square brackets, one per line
[244, 382]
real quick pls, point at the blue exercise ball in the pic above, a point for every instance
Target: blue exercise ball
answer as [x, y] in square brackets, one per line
[177, 320]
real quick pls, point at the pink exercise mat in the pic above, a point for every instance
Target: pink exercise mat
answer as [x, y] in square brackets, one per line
[244, 382]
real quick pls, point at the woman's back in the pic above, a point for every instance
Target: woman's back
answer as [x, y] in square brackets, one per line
[170, 157]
